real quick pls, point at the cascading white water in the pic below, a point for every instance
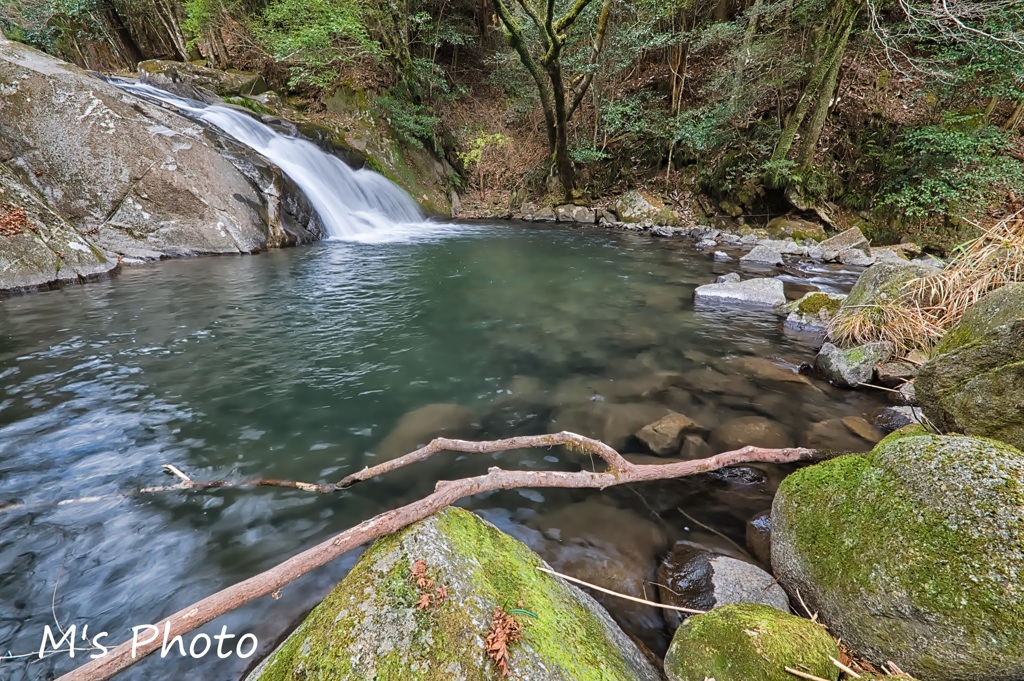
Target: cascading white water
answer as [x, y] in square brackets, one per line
[353, 204]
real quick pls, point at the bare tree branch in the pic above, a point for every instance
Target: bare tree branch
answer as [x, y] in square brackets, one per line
[619, 471]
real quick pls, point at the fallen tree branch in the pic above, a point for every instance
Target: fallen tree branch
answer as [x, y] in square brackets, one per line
[619, 471]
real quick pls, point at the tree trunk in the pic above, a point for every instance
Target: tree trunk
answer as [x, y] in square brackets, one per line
[846, 14]
[834, 60]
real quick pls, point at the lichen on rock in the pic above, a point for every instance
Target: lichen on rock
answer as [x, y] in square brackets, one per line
[913, 552]
[374, 624]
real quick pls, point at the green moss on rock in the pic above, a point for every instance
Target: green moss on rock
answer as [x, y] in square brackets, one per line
[370, 627]
[749, 642]
[913, 553]
[974, 381]
[814, 303]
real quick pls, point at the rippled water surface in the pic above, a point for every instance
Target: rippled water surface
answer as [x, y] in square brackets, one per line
[297, 364]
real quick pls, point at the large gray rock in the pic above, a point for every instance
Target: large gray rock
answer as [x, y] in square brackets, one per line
[912, 553]
[571, 213]
[974, 381]
[38, 248]
[762, 255]
[137, 180]
[854, 366]
[749, 642]
[755, 293]
[692, 577]
[419, 604]
[634, 206]
[844, 241]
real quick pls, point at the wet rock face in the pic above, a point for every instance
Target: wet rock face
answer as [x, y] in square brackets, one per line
[749, 641]
[693, 577]
[38, 248]
[137, 180]
[974, 381]
[912, 553]
[418, 606]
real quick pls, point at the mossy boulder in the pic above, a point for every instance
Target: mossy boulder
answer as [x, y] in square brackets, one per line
[386, 621]
[974, 381]
[813, 311]
[852, 367]
[883, 283]
[795, 228]
[749, 642]
[913, 553]
[634, 206]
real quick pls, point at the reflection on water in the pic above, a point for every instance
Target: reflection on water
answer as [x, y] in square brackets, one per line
[297, 364]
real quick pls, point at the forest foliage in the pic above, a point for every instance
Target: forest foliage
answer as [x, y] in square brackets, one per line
[905, 113]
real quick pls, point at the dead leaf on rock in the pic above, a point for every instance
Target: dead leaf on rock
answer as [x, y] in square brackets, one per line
[504, 630]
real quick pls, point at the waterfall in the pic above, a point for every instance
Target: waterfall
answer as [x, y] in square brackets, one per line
[352, 204]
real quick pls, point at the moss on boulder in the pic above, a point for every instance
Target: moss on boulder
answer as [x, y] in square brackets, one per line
[370, 626]
[796, 229]
[749, 642]
[913, 553]
[974, 381]
[813, 311]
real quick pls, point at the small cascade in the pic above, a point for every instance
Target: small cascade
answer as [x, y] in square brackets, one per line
[352, 204]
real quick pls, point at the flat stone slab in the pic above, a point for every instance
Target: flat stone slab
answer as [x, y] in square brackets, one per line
[753, 293]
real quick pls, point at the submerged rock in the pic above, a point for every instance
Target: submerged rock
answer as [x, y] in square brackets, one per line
[750, 430]
[419, 605]
[766, 293]
[420, 426]
[912, 553]
[693, 577]
[613, 424]
[613, 548]
[759, 538]
[749, 642]
[665, 436]
[853, 366]
[974, 381]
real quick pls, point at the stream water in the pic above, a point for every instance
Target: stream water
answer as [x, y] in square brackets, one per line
[299, 363]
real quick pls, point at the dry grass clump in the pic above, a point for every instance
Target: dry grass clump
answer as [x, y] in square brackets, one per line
[12, 220]
[929, 306]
